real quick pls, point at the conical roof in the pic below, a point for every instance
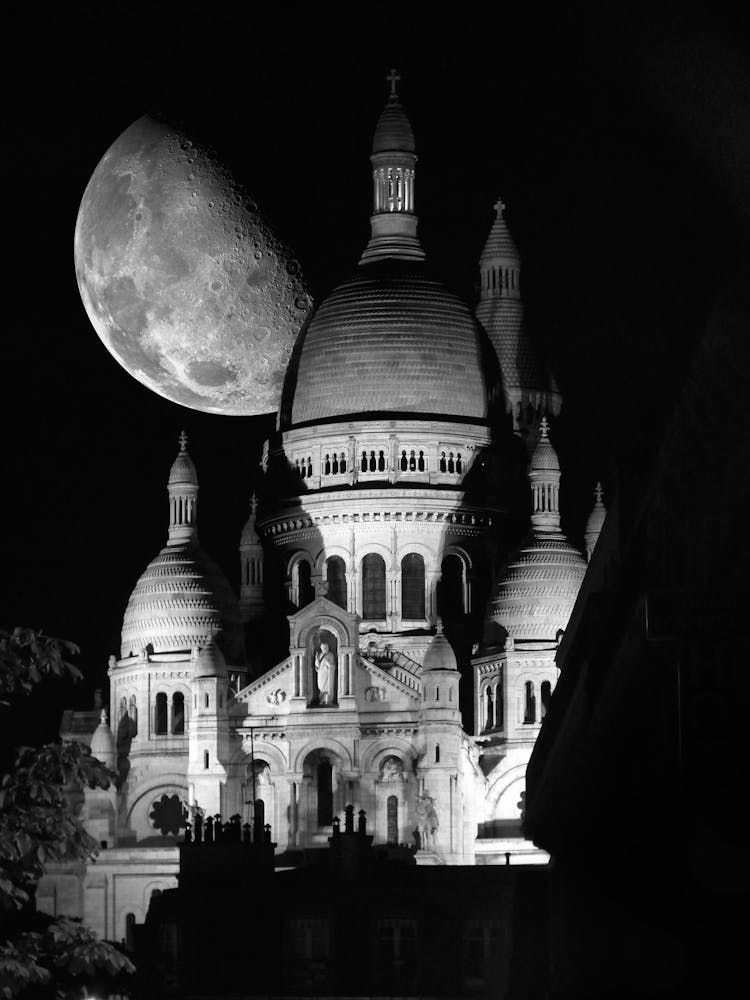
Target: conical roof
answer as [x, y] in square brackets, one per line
[439, 655]
[393, 132]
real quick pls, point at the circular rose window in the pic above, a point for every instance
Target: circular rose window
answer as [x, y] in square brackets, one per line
[168, 815]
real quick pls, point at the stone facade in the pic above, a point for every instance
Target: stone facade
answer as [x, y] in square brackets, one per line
[386, 518]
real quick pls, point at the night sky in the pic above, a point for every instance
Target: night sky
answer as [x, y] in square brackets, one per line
[619, 144]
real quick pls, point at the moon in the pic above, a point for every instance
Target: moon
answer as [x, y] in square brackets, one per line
[182, 278]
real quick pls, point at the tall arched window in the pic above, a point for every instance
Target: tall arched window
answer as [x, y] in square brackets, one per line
[546, 693]
[305, 592]
[373, 586]
[325, 793]
[529, 708]
[133, 713]
[160, 714]
[489, 708]
[336, 577]
[392, 819]
[451, 587]
[412, 586]
[178, 713]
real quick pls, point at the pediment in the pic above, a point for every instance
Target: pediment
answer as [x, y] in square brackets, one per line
[322, 612]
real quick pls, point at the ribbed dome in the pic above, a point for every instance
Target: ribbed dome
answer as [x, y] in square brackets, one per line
[535, 598]
[210, 662]
[393, 131]
[183, 469]
[103, 742]
[391, 339]
[439, 655]
[544, 457]
[182, 600]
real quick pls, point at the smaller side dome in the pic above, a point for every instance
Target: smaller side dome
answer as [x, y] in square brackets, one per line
[210, 662]
[183, 471]
[439, 655]
[103, 742]
[249, 534]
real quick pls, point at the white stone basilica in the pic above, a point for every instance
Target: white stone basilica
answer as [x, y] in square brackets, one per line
[423, 611]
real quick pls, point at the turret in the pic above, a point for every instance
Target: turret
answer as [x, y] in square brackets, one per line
[595, 522]
[544, 476]
[100, 803]
[209, 729]
[252, 605]
[394, 220]
[183, 498]
[530, 392]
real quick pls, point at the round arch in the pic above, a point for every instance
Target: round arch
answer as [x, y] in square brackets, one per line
[332, 550]
[375, 548]
[262, 750]
[336, 747]
[381, 748]
[501, 784]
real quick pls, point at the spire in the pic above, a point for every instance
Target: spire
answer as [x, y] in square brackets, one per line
[183, 497]
[595, 522]
[544, 476]
[252, 605]
[529, 389]
[394, 221]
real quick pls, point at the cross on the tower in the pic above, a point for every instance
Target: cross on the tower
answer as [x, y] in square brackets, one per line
[253, 504]
[183, 440]
[393, 78]
[598, 493]
[544, 427]
[499, 205]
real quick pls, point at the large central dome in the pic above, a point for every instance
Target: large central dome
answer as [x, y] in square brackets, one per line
[391, 339]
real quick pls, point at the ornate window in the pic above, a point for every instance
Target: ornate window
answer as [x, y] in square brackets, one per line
[178, 713]
[373, 586]
[168, 815]
[391, 809]
[336, 577]
[412, 587]
[160, 714]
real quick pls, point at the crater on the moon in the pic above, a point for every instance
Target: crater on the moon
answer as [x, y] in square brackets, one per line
[182, 278]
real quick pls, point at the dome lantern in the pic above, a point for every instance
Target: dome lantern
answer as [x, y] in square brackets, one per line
[544, 475]
[183, 497]
[393, 221]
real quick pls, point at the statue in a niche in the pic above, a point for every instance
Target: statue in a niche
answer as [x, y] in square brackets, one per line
[427, 821]
[325, 670]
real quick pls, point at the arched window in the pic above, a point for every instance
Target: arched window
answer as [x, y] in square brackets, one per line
[451, 463]
[381, 461]
[391, 808]
[178, 713]
[133, 713]
[451, 587]
[490, 708]
[305, 592]
[325, 793]
[459, 463]
[363, 463]
[334, 463]
[443, 463]
[412, 586]
[373, 586]
[342, 462]
[130, 931]
[546, 693]
[309, 466]
[205, 760]
[123, 708]
[327, 465]
[529, 707]
[403, 463]
[373, 462]
[336, 577]
[421, 463]
[412, 462]
[160, 714]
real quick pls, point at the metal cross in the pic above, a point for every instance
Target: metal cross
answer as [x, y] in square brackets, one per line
[183, 441]
[499, 205]
[393, 78]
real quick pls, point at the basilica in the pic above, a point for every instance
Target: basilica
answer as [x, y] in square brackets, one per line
[405, 582]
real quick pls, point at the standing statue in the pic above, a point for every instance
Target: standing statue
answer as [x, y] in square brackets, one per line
[325, 669]
[427, 821]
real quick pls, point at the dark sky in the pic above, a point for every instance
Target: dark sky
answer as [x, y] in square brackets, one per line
[619, 143]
